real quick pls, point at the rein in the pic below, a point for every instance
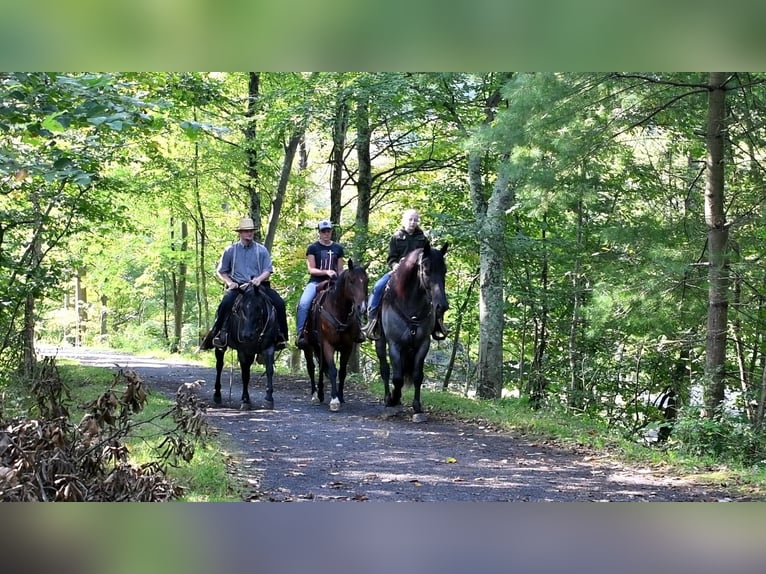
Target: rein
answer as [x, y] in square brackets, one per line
[329, 315]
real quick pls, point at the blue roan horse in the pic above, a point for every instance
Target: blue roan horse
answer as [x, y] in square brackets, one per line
[252, 329]
[333, 327]
[412, 311]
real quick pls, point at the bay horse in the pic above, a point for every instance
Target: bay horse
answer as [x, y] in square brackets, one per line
[333, 327]
[411, 312]
[252, 329]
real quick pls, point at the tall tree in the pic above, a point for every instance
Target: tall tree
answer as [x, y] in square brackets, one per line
[717, 244]
[251, 153]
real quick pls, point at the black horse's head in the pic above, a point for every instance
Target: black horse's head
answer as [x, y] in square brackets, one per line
[253, 314]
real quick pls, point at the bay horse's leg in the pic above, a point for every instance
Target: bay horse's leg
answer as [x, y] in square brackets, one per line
[320, 380]
[219, 355]
[268, 359]
[332, 373]
[345, 355]
[308, 354]
[385, 370]
[245, 362]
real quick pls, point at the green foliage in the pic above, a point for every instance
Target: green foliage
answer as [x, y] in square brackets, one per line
[723, 437]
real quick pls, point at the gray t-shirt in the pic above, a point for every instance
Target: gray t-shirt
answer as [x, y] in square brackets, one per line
[243, 263]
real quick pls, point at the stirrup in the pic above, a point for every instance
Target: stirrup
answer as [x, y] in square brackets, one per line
[371, 331]
[220, 340]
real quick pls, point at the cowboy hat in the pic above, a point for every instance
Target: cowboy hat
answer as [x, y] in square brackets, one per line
[246, 224]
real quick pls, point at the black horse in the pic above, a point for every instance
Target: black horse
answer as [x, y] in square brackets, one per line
[412, 311]
[252, 330]
[333, 327]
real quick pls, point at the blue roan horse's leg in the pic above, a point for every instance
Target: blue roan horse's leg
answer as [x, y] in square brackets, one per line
[385, 369]
[219, 355]
[417, 373]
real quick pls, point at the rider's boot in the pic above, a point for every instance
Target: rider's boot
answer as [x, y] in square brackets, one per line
[371, 330]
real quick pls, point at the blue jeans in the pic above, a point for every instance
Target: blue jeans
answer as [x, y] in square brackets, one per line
[377, 292]
[304, 305]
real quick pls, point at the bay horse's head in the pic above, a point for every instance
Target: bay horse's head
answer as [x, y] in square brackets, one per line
[353, 282]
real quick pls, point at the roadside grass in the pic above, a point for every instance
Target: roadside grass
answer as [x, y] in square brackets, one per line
[580, 432]
[204, 478]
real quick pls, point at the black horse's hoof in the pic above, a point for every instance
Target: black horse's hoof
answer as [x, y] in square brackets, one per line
[419, 417]
[268, 405]
[245, 406]
[217, 398]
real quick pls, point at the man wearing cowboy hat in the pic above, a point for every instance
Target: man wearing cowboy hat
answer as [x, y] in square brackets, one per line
[245, 261]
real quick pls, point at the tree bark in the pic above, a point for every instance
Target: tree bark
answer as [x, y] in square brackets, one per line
[491, 300]
[284, 176]
[251, 152]
[364, 176]
[717, 237]
[339, 130]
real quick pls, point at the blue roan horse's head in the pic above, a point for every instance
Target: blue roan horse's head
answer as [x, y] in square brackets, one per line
[434, 266]
[420, 276]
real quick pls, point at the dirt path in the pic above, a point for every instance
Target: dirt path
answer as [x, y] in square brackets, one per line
[300, 451]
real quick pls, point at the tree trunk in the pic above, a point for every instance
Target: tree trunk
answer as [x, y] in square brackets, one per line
[491, 301]
[364, 177]
[576, 395]
[339, 129]
[279, 197]
[251, 152]
[29, 358]
[539, 380]
[456, 332]
[717, 237]
[81, 303]
[104, 315]
[179, 285]
[200, 267]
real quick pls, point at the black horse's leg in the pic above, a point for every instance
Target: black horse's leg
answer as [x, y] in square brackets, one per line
[268, 359]
[245, 362]
[219, 355]
[345, 355]
[385, 370]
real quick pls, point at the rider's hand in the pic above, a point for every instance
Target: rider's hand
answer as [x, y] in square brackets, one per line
[255, 281]
[331, 273]
[232, 285]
